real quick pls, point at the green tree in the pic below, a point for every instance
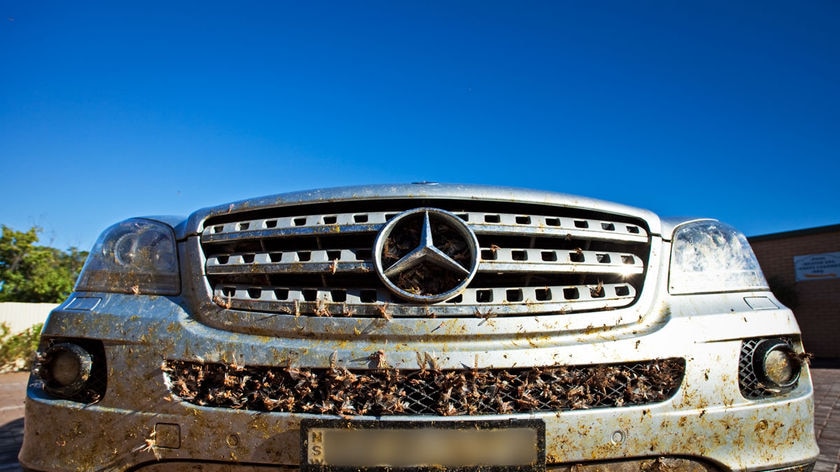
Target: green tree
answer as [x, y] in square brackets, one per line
[34, 273]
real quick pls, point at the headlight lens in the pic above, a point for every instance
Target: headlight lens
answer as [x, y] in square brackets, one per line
[709, 256]
[136, 256]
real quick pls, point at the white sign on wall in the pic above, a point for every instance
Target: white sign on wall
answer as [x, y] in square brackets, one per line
[817, 266]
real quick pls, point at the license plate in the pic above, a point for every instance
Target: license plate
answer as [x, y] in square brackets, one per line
[343, 445]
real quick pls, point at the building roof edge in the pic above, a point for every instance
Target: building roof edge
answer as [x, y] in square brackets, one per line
[796, 233]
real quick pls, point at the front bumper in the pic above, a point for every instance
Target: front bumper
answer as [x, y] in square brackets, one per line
[139, 424]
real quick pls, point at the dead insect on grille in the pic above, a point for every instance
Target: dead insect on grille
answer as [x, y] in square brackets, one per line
[383, 311]
[226, 304]
[598, 290]
[485, 314]
[377, 360]
[321, 308]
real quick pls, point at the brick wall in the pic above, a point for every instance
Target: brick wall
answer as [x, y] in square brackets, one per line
[818, 301]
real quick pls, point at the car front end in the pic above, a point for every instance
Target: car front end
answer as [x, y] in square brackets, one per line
[420, 327]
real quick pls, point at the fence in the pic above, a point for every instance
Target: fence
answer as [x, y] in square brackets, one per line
[20, 316]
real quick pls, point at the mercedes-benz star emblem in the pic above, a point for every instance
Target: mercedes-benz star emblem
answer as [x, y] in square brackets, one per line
[426, 255]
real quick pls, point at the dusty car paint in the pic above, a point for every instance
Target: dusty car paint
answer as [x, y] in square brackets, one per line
[143, 417]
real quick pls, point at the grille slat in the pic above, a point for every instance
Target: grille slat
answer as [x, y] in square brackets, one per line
[210, 237]
[487, 303]
[493, 260]
[480, 223]
[321, 263]
[312, 262]
[541, 260]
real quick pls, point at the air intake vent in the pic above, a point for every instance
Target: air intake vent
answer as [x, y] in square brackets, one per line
[340, 391]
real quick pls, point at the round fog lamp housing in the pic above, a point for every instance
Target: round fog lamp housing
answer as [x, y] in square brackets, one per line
[66, 369]
[776, 364]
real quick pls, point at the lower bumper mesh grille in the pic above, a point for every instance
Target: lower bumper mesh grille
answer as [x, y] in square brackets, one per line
[748, 380]
[383, 392]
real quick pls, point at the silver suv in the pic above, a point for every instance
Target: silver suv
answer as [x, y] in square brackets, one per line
[420, 327]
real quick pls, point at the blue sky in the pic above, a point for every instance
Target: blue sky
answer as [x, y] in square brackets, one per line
[116, 109]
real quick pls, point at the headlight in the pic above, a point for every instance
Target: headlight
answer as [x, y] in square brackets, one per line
[136, 256]
[709, 256]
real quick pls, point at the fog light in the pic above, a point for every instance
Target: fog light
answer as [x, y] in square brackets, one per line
[776, 364]
[65, 369]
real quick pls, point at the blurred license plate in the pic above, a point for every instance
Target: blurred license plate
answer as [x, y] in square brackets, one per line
[344, 445]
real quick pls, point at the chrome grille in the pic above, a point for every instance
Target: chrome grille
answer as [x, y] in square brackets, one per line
[533, 259]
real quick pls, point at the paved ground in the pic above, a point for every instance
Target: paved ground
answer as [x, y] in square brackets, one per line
[12, 393]
[826, 418]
